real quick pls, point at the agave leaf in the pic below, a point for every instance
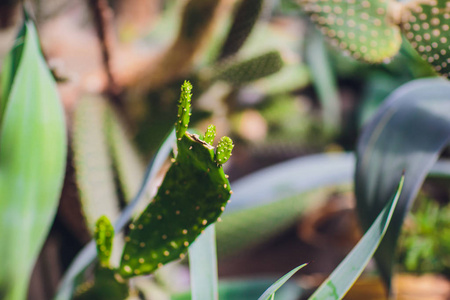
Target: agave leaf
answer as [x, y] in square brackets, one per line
[270, 292]
[245, 17]
[92, 160]
[359, 28]
[32, 163]
[203, 266]
[426, 25]
[409, 131]
[343, 277]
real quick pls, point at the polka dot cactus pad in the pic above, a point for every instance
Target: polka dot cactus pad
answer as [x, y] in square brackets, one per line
[360, 28]
[426, 25]
[192, 196]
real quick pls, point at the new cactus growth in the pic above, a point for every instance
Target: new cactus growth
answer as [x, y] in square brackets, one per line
[224, 149]
[192, 196]
[210, 134]
[104, 234]
[184, 109]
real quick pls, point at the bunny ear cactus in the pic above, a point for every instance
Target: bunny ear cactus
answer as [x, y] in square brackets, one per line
[103, 234]
[192, 196]
[426, 25]
[361, 29]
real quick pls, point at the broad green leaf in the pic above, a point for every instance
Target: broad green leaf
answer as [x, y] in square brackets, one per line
[203, 266]
[426, 25]
[359, 28]
[409, 131]
[270, 292]
[33, 149]
[88, 253]
[92, 161]
[343, 277]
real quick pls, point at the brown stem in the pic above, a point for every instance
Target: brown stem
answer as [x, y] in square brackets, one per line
[102, 15]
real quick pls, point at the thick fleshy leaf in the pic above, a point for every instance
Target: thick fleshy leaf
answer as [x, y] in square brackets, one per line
[33, 149]
[426, 25]
[92, 161]
[245, 17]
[270, 292]
[359, 28]
[343, 277]
[409, 131]
[203, 266]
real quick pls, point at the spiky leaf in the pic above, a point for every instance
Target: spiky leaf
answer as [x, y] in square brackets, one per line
[104, 234]
[426, 25]
[359, 28]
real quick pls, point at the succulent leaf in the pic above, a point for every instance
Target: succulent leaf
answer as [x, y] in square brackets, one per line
[192, 196]
[361, 29]
[224, 149]
[104, 234]
[184, 109]
[210, 134]
[426, 25]
[106, 285]
[237, 73]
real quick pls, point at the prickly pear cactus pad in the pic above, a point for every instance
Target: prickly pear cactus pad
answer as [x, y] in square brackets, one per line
[192, 196]
[361, 28]
[104, 234]
[426, 25]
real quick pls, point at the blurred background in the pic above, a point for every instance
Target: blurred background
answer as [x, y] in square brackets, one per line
[265, 76]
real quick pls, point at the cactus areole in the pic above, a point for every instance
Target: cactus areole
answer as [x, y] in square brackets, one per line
[192, 196]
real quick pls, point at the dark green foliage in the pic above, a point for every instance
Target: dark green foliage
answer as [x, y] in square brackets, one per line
[426, 25]
[246, 15]
[249, 70]
[359, 28]
[192, 196]
[106, 285]
[103, 234]
[210, 134]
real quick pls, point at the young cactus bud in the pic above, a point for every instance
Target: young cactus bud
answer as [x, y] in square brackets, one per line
[223, 151]
[184, 109]
[210, 134]
[104, 234]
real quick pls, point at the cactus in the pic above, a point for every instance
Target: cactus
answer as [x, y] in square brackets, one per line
[370, 30]
[224, 149]
[426, 25]
[104, 234]
[192, 196]
[359, 28]
[210, 134]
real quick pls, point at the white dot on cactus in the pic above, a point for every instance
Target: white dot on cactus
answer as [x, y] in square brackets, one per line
[186, 243]
[185, 231]
[127, 269]
[166, 253]
[204, 222]
[141, 260]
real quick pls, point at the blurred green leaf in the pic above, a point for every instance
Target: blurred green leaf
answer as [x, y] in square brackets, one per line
[270, 292]
[409, 131]
[32, 162]
[203, 266]
[343, 277]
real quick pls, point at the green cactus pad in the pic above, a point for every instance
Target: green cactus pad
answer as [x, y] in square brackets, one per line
[210, 134]
[184, 109]
[191, 197]
[224, 149]
[359, 28]
[104, 234]
[426, 25]
[106, 285]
